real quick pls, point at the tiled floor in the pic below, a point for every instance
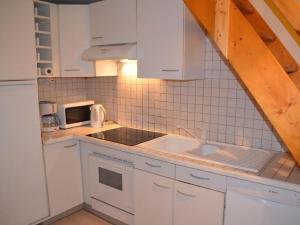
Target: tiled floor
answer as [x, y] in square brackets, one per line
[81, 218]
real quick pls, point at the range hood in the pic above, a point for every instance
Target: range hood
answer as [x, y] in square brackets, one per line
[110, 52]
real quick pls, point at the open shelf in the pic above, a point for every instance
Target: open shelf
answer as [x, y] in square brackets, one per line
[41, 9]
[42, 19]
[43, 47]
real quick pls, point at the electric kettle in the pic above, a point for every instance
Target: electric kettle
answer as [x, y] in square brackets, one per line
[97, 115]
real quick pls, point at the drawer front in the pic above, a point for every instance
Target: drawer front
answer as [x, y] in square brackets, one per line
[201, 178]
[154, 166]
[100, 149]
[62, 145]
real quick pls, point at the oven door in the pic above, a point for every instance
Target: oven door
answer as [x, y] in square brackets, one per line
[111, 181]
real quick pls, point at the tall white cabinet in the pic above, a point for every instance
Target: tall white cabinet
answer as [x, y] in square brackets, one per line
[74, 38]
[17, 54]
[170, 42]
[23, 195]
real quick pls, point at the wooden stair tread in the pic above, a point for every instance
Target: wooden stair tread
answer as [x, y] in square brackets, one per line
[261, 27]
[291, 10]
[296, 78]
[268, 36]
[245, 6]
[257, 22]
[283, 56]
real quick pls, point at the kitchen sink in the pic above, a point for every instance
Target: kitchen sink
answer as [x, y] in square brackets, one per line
[248, 159]
[239, 157]
[208, 149]
[172, 143]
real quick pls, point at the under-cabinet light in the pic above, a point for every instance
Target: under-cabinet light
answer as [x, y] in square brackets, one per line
[129, 68]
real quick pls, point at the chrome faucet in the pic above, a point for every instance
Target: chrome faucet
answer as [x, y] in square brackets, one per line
[203, 133]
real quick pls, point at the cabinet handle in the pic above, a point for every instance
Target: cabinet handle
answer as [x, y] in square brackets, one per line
[160, 186]
[70, 146]
[151, 165]
[170, 70]
[199, 178]
[186, 195]
[72, 70]
[99, 37]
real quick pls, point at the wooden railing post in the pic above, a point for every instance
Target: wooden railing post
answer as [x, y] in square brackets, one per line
[222, 23]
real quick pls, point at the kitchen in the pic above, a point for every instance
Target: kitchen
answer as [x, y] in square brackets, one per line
[177, 139]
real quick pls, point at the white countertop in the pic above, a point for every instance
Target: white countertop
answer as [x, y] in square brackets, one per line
[281, 172]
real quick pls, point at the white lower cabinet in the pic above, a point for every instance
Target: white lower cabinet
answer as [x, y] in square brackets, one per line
[63, 172]
[166, 201]
[197, 206]
[153, 197]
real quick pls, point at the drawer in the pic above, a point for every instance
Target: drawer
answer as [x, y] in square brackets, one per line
[100, 149]
[62, 145]
[201, 178]
[154, 166]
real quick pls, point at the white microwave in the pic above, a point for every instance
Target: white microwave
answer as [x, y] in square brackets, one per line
[74, 114]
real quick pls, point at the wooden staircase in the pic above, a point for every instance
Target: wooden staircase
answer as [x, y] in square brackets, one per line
[270, 39]
[258, 59]
[288, 11]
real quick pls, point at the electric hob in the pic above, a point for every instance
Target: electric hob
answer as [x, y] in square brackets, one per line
[127, 136]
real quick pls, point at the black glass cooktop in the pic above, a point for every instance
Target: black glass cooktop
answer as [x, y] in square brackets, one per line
[127, 136]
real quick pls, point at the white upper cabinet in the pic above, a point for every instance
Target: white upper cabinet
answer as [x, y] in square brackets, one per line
[74, 38]
[170, 42]
[113, 22]
[17, 54]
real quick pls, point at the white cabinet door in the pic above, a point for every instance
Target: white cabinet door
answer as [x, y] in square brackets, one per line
[113, 22]
[74, 37]
[153, 196]
[23, 196]
[197, 206]
[17, 54]
[160, 38]
[63, 171]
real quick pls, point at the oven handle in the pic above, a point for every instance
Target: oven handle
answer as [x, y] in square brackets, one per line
[111, 162]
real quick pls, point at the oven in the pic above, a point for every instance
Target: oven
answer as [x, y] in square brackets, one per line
[111, 181]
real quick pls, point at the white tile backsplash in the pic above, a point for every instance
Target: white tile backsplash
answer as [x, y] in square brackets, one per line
[217, 102]
[62, 89]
